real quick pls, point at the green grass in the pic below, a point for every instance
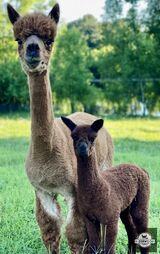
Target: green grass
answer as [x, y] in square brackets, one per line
[136, 141]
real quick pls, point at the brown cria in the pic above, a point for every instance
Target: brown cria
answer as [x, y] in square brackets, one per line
[51, 164]
[103, 197]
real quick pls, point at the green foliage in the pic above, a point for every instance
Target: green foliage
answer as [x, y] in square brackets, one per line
[90, 29]
[113, 9]
[13, 86]
[127, 62]
[70, 68]
[153, 21]
[18, 227]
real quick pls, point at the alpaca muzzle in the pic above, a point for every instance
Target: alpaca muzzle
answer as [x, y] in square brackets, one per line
[82, 149]
[33, 47]
[32, 57]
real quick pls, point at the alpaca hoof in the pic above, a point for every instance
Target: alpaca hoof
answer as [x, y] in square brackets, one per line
[52, 250]
[93, 250]
[78, 249]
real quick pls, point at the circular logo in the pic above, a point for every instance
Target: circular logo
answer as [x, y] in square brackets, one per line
[144, 240]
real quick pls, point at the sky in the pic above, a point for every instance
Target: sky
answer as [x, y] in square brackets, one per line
[75, 9]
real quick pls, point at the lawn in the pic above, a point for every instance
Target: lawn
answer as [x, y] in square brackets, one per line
[135, 140]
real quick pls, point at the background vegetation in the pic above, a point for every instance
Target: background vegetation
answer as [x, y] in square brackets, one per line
[105, 67]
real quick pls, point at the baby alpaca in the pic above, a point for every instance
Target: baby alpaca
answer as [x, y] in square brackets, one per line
[103, 197]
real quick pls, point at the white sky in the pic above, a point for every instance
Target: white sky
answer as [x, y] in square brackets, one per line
[74, 9]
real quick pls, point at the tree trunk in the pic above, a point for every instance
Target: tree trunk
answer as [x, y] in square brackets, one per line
[142, 87]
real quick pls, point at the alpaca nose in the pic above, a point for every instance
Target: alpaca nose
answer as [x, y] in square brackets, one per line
[32, 57]
[83, 149]
[33, 50]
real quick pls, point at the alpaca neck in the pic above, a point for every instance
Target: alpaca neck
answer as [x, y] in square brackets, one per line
[88, 172]
[41, 110]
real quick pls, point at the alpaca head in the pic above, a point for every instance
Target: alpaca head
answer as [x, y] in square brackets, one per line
[35, 34]
[83, 136]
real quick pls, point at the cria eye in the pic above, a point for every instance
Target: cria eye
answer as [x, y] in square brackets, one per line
[49, 42]
[75, 138]
[19, 42]
[91, 139]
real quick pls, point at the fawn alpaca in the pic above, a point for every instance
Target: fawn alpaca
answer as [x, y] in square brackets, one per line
[51, 164]
[103, 197]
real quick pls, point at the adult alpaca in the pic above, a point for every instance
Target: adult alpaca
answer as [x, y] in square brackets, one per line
[51, 163]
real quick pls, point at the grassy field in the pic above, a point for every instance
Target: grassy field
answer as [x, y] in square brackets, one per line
[136, 141]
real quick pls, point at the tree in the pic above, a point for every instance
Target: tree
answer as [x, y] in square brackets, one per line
[153, 20]
[126, 60]
[13, 84]
[131, 64]
[70, 69]
[113, 10]
[90, 28]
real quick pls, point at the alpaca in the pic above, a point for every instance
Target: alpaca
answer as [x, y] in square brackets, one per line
[51, 164]
[104, 196]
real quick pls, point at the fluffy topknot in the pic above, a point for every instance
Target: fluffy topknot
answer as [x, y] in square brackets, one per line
[37, 24]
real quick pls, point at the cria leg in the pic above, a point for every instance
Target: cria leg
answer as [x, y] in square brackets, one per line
[75, 229]
[139, 212]
[131, 230]
[49, 220]
[93, 235]
[112, 229]
[140, 218]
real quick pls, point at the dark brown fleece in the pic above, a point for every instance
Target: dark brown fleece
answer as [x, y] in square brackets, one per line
[104, 197]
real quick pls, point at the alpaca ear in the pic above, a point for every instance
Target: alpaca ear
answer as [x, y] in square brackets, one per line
[12, 14]
[55, 13]
[97, 125]
[71, 125]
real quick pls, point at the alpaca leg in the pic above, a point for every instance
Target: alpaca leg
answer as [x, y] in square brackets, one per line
[139, 212]
[93, 235]
[111, 234]
[75, 229]
[49, 220]
[126, 219]
[140, 218]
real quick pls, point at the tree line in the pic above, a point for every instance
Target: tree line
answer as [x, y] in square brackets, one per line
[100, 67]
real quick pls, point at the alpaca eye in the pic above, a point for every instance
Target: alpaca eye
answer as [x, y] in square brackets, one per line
[19, 42]
[75, 138]
[49, 42]
[91, 140]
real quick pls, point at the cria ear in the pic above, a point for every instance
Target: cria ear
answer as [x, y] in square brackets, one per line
[97, 125]
[12, 14]
[71, 125]
[55, 13]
